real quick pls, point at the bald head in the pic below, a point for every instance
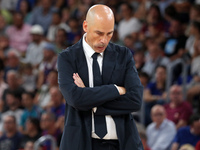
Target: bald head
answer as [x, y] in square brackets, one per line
[99, 26]
[99, 12]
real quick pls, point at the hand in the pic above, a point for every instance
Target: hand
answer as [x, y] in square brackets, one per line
[78, 81]
[121, 90]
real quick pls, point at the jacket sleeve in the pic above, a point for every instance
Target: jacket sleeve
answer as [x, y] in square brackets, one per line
[129, 102]
[81, 98]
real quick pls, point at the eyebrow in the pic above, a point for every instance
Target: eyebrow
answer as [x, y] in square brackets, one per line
[103, 32]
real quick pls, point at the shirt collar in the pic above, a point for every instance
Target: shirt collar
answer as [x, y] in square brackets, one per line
[87, 48]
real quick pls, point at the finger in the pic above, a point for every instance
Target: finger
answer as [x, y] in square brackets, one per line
[77, 75]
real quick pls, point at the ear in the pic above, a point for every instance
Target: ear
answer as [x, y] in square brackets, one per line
[85, 26]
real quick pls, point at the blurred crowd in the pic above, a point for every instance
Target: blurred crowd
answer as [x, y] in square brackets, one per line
[163, 36]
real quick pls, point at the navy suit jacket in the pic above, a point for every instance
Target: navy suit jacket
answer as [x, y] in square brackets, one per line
[118, 68]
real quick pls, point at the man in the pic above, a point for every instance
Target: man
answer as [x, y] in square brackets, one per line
[42, 15]
[19, 33]
[34, 54]
[161, 131]
[98, 113]
[10, 140]
[178, 110]
[153, 60]
[48, 64]
[48, 126]
[189, 134]
[129, 24]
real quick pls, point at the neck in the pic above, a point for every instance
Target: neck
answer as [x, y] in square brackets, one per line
[33, 133]
[157, 126]
[51, 130]
[10, 133]
[13, 108]
[127, 18]
[29, 107]
[160, 85]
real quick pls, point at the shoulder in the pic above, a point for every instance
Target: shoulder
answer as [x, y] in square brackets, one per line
[170, 124]
[151, 127]
[151, 85]
[184, 130]
[186, 104]
[122, 50]
[72, 50]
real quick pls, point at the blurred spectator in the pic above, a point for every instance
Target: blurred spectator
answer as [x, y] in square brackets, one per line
[129, 43]
[170, 12]
[11, 138]
[144, 140]
[61, 40]
[48, 121]
[57, 106]
[139, 58]
[198, 145]
[13, 81]
[153, 18]
[3, 85]
[25, 9]
[75, 34]
[19, 33]
[32, 131]
[144, 78]
[189, 134]
[13, 102]
[8, 4]
[115, 38]
[29, 145]
[4, 46]
[194, 12]
[34, 54]
[48, 64]
[178, 110]
[12, 62]
[30, 110]
[57, 103]
[43, 96]
[3, 25]
[187, 147]
[155, 92]
[128, 24]
[161, 131]
[31, 3]
[194, 85]
[174, 49]
[56, 21]
[28, 77]
[42, 15]
[193, 38]
[154, 58]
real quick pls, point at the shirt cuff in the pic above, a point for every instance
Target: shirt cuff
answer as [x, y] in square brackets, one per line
[116, 87]
[94, 109]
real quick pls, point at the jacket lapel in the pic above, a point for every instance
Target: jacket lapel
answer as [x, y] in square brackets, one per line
[109, 62]
[82, 64]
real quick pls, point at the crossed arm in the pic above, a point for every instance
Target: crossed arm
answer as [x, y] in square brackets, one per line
[78, 81]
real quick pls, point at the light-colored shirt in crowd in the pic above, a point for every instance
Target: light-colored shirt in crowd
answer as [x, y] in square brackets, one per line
[110, 124]
[160, 138]
[127, 27]
[34, 54]
[19, 38]
[53, 29]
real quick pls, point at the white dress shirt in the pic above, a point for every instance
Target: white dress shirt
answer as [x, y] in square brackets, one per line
[110, 124]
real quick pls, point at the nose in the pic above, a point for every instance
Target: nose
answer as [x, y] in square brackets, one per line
[104, 39]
